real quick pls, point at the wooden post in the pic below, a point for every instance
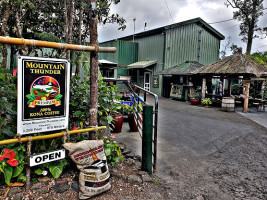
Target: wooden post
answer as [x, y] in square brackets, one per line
[203, 89]
[93, 69]
[262, 89]
[246, 99]
[28, 168]
[230, 87]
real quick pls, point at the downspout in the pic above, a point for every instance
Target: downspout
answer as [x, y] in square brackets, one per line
[164, 49]
[163, 60]
[199, 45]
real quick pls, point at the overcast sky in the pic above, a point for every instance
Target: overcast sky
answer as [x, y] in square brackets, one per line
[156, 14]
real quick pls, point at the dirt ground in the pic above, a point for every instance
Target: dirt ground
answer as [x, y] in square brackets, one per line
[128, 182]
[207, 154]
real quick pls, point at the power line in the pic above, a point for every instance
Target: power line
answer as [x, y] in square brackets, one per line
[260, 47]
[221, 21]
[169, 10]
[230, 27]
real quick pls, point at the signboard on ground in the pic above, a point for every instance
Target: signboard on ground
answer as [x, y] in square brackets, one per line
[43, 94]
[47, 157]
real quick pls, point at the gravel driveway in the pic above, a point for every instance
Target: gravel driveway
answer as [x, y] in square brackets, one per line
[204, 153]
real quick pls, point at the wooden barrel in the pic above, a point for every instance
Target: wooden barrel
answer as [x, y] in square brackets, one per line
[228, 104]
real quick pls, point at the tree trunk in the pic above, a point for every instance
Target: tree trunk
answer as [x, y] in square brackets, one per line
[70, 26]
[79, 41]
[93, 73]
[250, 38]
[3, 33]
[251, 26]
[66, 20]
[19, 31]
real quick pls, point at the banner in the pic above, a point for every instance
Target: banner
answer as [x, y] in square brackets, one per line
[43, 94]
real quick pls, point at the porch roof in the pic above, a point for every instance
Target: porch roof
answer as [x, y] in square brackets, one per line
[141, 64]
[186, 68]
[106, 62]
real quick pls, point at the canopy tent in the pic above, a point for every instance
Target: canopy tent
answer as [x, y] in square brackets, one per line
[141, 64]
[186, 68]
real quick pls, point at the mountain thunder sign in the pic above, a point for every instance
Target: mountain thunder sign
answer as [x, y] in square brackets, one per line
[43, 94]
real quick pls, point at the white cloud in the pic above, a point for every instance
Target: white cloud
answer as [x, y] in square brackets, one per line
[156, 14]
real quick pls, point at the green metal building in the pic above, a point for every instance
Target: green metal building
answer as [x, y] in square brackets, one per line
[142, 55]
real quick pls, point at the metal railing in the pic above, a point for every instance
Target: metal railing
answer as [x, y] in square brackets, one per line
[146, 119]
[154, 112]
[30, 139]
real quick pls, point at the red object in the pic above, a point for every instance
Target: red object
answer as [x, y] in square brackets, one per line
[127, 91]
[39, 97]
[136, 90]
[35, 92]
[117, 123]
[132, 124]
[194, 101]
[13, 162]
[75, 128]
[10, 154]
[15, 72]
[2, 158]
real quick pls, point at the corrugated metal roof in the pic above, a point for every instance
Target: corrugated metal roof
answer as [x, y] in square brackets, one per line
[197, 20]
[186, 68]
[107, 62]
[142, 64]
[236, 64]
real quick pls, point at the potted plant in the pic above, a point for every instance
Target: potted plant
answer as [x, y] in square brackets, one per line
[194, 98]
[131, 121]
[206, 102]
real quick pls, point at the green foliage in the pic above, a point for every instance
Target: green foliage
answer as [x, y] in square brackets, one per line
[260, 57]
[55, 168]
[207, 101]
[15, 171]
[109, 102]
[79, 101]
[237, 89]
[195, 95]
[248, 13]
[112, 150]
[8, 106]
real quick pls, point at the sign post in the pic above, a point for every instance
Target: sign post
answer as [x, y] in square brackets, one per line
[43, 94]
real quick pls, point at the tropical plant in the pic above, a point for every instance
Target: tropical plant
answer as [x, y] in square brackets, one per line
[237, 89]
[8, 99]
[12, 163]
[207, 101]
[195, 95]
[55, 168]
[112, 150]
[109, 103]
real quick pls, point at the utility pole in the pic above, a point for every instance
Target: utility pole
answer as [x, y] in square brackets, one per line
[93, 68]
[134, 19]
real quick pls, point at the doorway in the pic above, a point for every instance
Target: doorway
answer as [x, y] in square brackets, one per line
[147, 81]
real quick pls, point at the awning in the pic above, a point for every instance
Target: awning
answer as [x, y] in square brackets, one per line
[106, 62]
[141, 64]
[186, 68]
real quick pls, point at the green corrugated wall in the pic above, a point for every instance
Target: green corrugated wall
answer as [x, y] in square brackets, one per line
[126, 54]
[113, 57]
[151, 48]
[182, 45]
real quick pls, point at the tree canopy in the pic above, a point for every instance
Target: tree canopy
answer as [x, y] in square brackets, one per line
[248, 13]
[53, 20]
